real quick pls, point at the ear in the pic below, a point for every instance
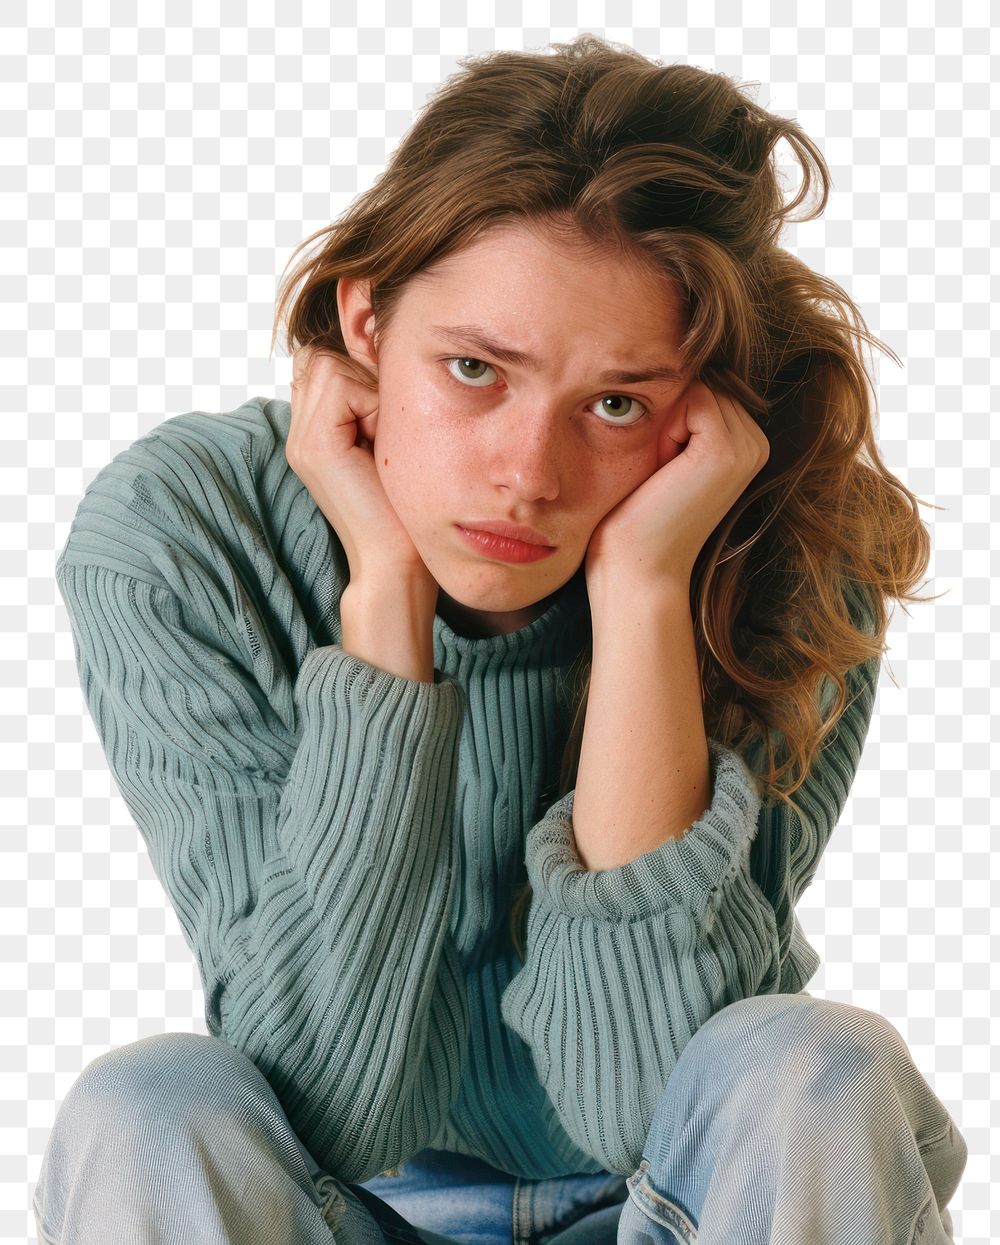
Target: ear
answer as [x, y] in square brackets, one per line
[674, 433]
[357, 321]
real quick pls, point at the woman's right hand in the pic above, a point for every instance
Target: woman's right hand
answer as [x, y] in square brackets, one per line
[329, 447]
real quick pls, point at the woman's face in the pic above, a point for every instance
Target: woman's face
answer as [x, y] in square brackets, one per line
[464, 436]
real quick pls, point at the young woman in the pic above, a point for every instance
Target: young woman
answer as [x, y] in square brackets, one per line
[488, 849]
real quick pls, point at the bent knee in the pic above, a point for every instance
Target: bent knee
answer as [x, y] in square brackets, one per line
[163, 1077]
[796, 1034]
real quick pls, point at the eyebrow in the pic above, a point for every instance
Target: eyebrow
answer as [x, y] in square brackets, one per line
[477, 337]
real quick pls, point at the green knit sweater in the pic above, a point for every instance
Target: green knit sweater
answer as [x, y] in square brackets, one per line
[341, 844]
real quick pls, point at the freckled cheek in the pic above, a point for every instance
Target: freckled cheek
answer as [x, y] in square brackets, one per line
[644, 461]
[440, 431]
[619, 475]
[628, 465]
[421, 448]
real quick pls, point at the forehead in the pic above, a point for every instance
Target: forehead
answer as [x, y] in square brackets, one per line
[533, 272]
[533, 304]
[533, 245]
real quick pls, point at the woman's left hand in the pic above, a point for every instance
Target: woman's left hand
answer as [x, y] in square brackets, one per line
[709, 450]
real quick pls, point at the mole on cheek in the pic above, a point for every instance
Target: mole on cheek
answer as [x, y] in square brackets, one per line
[385, 462]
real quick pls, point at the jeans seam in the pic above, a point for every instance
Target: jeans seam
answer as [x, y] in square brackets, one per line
[45, 1237]
[919, 1220]
[521, 1211]
[333, 1206]
[660, 1209]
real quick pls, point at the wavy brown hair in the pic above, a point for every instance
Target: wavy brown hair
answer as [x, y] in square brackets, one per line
[674, 166]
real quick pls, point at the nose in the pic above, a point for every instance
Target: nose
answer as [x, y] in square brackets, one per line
[529, 456]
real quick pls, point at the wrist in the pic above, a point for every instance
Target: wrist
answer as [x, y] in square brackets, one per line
[619, 594]
[391, 626]
[395, 590]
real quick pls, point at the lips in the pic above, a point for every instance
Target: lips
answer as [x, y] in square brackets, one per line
[512, 531]
[504, 548]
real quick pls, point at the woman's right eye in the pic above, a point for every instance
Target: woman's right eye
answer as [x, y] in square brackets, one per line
[465, 360]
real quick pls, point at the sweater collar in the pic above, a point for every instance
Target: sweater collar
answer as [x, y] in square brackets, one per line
[559, 633]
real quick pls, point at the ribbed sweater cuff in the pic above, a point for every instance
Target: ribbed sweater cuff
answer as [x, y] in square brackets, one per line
[374, 767]
[682, 871]
[330, 666]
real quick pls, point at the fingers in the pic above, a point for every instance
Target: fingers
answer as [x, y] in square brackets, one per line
[334, 403]
[302, 361]
[736, 419]
[316, 373]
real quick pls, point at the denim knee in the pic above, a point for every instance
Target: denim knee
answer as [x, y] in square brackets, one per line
[771, 1052]
[167, 1078]
[138, 1106]
[793, 1110]
[775, 1032]
[181, 1131]
[131, 1112]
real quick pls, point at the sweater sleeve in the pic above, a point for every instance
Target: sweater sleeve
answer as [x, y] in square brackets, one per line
[313, 879]
[623, 965]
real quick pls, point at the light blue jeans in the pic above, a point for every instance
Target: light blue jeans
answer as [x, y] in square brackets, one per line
[787, 1119]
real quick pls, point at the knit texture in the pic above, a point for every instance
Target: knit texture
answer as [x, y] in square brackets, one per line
[341, 845]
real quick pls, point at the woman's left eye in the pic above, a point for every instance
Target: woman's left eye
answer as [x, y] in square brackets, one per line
[465, 360]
